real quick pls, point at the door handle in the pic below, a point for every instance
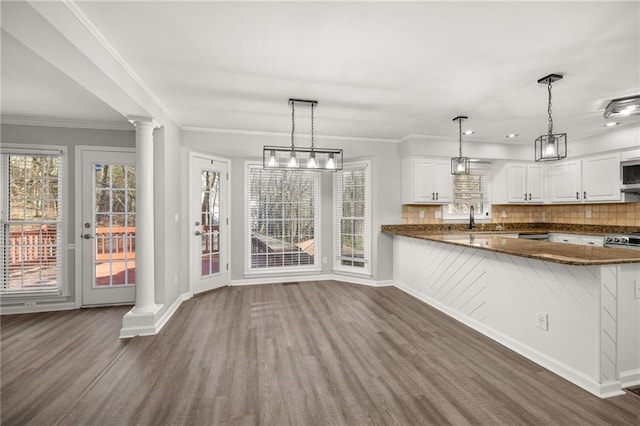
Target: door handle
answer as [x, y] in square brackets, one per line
[437, 196]
[525, 196]
[577, 195]
[198, 233]
[529, 196]
[87, 236]
[433, 196]
[585, 195]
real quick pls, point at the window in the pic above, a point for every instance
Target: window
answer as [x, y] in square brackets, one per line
[469, 190]
[352, 219]
[283, 225]
[31, 221]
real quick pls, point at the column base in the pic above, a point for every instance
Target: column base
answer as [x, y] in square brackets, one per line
[136, 323]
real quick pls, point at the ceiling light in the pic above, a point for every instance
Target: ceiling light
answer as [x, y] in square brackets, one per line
[460, 164]
[285, 157]
[623, 107]
[551, 146]
[512, 135]
[611, 124]
[468, 132]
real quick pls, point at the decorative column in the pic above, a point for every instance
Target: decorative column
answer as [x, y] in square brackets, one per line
[141, 320]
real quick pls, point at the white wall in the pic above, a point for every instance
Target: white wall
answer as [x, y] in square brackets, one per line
[70, 138]
[386, 201]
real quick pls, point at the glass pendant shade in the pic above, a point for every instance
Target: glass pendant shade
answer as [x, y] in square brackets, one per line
[460, 165]
[293, 157]
[551, 147]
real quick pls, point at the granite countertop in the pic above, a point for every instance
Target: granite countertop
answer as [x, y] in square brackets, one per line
[568, 254]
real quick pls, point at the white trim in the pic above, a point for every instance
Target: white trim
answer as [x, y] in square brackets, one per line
[630, 378]
[72, 124]
[604, 390]
[43, 307]
[283, 135]
[364, 272]
[317, 256]
[65, 224]
[227, 214]
[306, 278]
[78, 151]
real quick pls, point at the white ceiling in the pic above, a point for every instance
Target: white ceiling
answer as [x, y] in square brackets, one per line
[378, 70]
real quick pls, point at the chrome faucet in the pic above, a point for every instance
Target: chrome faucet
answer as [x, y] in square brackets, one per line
[472, 221]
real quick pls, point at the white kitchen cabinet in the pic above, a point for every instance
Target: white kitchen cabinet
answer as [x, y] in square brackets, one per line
[426, 180]
[601, 178]
[592, 179]
[584, 240]
[524, 183]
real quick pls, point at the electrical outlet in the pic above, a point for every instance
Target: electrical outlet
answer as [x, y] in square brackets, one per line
[587, 213]
[504, 214]
[542, 320]
[637, 288]
[438, 214]
[421, 214]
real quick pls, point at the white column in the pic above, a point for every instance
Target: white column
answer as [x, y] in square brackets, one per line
[142, 319]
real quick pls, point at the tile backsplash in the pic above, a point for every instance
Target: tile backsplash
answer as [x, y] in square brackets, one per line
[619, 214]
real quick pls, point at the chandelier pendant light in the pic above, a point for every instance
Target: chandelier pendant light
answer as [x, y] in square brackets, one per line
[552, 146]
[460, 164]
[301, 158]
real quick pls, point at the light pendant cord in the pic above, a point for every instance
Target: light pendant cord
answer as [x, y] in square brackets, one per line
[293, 123]
[312, 127]
[460, 133]
[549, 109]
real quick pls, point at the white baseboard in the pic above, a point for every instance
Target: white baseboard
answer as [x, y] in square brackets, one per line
[172, 310]
[630, 378]
[604, 390]
[303, 278]
[39, 307]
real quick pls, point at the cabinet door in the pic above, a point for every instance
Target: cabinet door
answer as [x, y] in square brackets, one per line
[535, 186]
[517, 183]
[565, 182]
[442, 182]
[601, 178]
[423, 182]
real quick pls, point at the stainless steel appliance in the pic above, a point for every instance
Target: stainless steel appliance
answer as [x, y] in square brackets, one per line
[628, 241]
[630, 176]
[541, 236]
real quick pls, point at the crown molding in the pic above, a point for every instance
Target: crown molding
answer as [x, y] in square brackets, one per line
[73, 124]
[282, 134]
[100, 38]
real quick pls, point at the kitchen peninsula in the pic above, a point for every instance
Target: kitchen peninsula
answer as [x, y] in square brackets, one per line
[572, 309]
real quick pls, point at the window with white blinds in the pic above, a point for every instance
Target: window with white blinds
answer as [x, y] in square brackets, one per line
[469, 190]
[283, 219]
[31, 221]
[352, 223]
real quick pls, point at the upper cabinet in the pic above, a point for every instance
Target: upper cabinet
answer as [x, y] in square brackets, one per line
[426, 180]
[588, 180]
[524, 183]
[516, 182]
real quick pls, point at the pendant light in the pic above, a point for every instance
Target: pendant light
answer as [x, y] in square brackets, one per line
[460, 164]
[297, 158]
[552, 146]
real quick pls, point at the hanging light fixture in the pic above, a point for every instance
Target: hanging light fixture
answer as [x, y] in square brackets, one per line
[552, 146]
[284, 157]
[460, 164]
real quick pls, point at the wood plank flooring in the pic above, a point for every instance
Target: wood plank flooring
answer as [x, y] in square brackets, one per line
[316, 353]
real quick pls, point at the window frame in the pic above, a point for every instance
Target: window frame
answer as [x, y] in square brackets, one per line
[316, 268]
[478, 216]
[61, 293]
[337, 264]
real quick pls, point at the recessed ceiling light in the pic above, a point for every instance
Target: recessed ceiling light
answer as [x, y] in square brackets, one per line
[611, 124]
[512, 135]
[468, 132]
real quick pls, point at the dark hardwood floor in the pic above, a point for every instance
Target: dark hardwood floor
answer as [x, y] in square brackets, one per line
[317, 353]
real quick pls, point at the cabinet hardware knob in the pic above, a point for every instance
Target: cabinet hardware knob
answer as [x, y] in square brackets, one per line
[577, 195]
[525, 196]
[585, 195]
[437, 197]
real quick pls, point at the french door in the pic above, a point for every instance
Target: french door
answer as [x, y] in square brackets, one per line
[108, 227]
[208, 227]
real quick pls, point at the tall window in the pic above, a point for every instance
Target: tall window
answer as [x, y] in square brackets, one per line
[352, 219]
[31, 220]
[282, 208]
[469, 190]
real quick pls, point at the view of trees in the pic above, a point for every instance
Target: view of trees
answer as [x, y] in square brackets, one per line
[33, 187]
[115, 195]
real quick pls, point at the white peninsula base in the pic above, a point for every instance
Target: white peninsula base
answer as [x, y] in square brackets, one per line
[592, 335]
